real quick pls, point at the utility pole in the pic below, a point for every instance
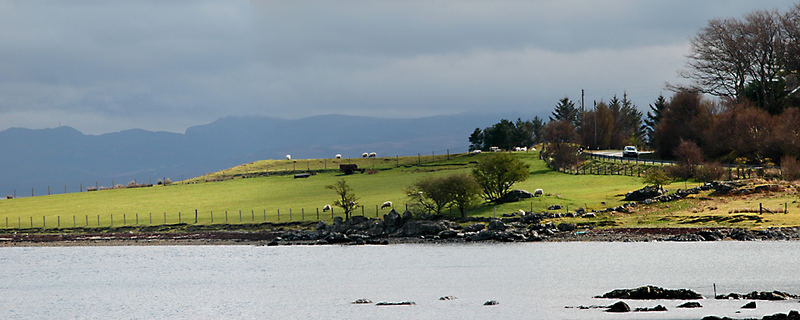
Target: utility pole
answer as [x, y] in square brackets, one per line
[595, 124]
[583, 117]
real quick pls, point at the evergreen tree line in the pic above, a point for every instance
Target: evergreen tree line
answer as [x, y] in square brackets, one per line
[752, 66]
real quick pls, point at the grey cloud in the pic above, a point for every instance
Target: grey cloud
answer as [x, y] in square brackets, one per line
[105, 66]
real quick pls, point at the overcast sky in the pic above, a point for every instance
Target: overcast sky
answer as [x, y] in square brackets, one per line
[103, 66]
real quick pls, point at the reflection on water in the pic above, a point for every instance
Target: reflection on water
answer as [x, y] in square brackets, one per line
[530, 280]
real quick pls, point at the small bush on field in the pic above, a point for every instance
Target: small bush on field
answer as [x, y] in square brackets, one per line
[790, 167]
[709, 172]
[680, 171]
[657, 177]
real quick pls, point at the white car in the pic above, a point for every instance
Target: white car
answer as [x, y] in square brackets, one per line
[630, 152]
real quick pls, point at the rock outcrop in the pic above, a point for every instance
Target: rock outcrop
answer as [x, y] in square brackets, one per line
[652, 293]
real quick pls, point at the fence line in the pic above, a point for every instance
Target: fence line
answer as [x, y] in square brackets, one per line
[741, 171]
[666, 162]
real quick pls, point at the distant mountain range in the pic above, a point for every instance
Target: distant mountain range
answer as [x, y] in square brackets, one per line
[36, 159]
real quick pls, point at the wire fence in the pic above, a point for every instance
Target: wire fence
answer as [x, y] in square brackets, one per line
[617, 165]
[198, 217]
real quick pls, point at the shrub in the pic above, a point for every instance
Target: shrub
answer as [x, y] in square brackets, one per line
[709, 172]
[790, 168]
[657, 177]
[436, 193]
[497, 173]
[680, 171]
[347, 199]
[564, 156]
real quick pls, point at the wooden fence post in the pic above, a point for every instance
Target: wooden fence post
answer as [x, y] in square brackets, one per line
[212, 216]
[240, 215]
[195, 216]
[302, 214]
[252, 215]
[317, 214]
[290, 214]
[226, 216]
[279, 214]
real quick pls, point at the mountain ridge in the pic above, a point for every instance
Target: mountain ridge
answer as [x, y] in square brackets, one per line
[54, 157]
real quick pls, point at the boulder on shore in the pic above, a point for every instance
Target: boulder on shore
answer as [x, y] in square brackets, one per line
[652, 293]
[515, 195]
[642, 194]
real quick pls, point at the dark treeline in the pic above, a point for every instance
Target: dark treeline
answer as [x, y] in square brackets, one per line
[750, 65]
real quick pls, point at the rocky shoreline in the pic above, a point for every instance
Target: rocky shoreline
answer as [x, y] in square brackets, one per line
[398, 229]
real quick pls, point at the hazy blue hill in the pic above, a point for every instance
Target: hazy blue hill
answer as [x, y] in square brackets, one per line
[58, 156]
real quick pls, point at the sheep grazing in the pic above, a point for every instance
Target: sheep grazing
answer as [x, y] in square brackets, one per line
[521, 212]
[338, 156]
[326, 208]
[373, 154]
[387, 204]
[476, 151]
[288, 157]
[538, 192]
[364, 155]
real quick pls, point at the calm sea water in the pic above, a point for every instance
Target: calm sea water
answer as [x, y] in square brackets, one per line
[530, 280]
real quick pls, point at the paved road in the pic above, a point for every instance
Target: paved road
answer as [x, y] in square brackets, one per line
[612, 153]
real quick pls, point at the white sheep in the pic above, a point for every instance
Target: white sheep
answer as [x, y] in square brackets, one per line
[476, 151]
[338, 156]
[538, 192]
[326, 208]
[288, 157]
[373, 154]
[521, 212]
[387, 204]
[364, 155]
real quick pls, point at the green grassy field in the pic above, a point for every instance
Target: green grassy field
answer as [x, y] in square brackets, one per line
[262, 196]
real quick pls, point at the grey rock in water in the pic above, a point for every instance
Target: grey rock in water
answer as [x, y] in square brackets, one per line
[491, 303]
[447, 298]
[652, 293]
[401, 303]
[691, 304]
[749, 305]
[619, 307]
[656, 308]
[362, 301]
